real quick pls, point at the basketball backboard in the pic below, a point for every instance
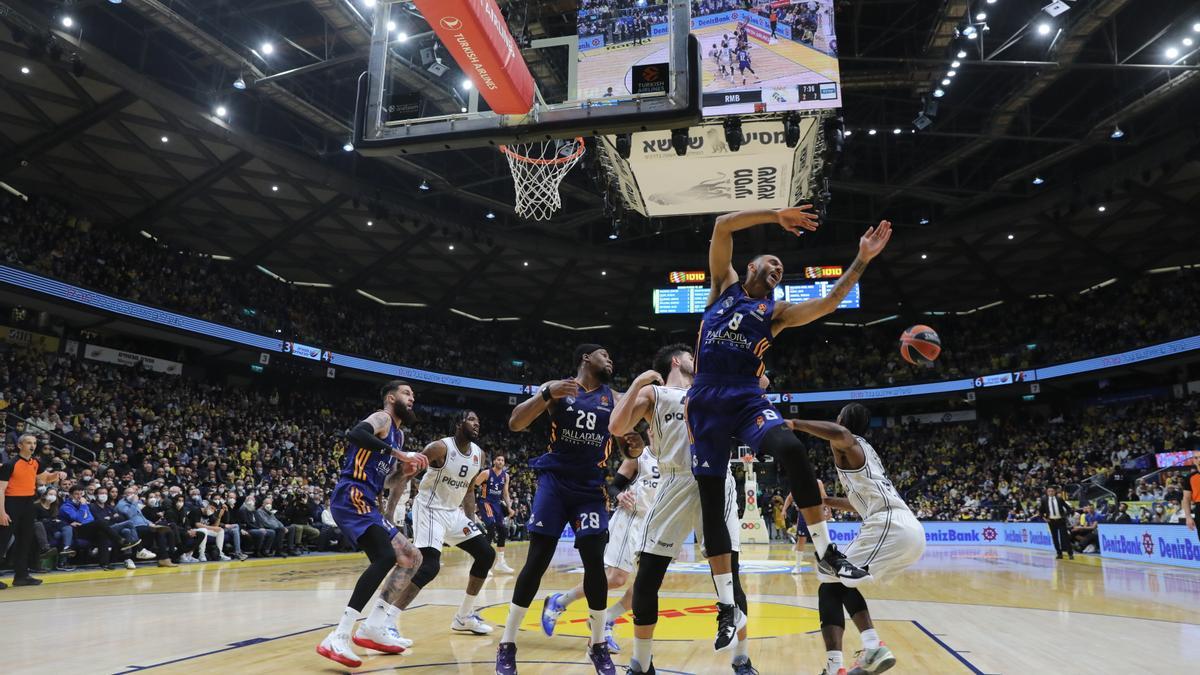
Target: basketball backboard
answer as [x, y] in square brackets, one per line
[450, 74]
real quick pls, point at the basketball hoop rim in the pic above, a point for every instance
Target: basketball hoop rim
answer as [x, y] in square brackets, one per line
[512, 154]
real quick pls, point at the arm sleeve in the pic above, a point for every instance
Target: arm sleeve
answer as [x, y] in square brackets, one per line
[619, 483]
[363, 434]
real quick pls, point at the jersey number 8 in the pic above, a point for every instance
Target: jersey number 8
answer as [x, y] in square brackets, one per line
[586, 420]
[462, 471]
[735, 321]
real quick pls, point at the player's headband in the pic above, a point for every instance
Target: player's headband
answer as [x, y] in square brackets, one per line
[585, 349]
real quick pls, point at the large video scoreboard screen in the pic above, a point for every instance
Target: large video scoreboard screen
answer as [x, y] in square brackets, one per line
[762, 56]
[691, 299]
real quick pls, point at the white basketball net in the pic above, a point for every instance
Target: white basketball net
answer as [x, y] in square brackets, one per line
[537, 170]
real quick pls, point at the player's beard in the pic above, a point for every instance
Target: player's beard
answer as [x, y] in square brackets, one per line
[604, 375]
[405, 414]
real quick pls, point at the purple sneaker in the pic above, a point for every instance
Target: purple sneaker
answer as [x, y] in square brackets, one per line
[600, 657]
[506, 658]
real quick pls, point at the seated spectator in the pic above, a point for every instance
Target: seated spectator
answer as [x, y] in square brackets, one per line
[266, 519]
[77, 513]
[300, 517]
[106, 512]
[176, 513]
[1086, 533]
[59, 535]
[203, 521]
[225, 517]
[1121, 515]
[131, 507]
[266, 541]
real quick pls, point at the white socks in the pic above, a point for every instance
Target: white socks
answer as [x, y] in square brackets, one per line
[819, 533]
[741, 652]
[642, 653]
[572, 595]
[596, 623]
[614, 612]
[799, 556]
[833, 662]
[516, 616]
[724, 584]
[346, 625]
[467, 607]
[382, 614]
[870, 639]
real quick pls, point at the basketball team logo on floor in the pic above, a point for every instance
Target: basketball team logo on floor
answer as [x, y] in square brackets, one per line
[678, 619]
[744, 566]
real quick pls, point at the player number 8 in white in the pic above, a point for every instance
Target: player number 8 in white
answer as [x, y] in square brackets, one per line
[589, 521]
[586, 420]
[735, 321]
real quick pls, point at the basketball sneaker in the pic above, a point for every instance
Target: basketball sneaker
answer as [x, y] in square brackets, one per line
[336, 648]
[551, 610]
[472, 624]
[384, 639]
[630, 670]
[744, 668]
[609, 640]
[797, 569]
[601, 659]
[506, 658]
[502, 567]
[834, 564]
[825, 671]
[873, 660]
[730, 620]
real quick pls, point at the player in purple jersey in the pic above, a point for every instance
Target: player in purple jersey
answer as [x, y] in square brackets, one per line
[494, 507]
[570, 489]
[376, 444]
[725, 400]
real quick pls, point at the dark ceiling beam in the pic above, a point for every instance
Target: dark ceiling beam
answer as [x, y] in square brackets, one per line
[380, 263]
[294, 229]
[304, 70]
[66, 131]
[164, 206]
[551, 292]
[985, 268]
[1168, 203]
[1116, 266]
[472, 275]
[946, 25]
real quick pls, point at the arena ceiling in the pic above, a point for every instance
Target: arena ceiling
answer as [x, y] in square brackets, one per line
[269, 184]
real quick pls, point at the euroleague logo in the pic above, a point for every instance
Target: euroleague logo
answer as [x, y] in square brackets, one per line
[651, 73]
[989, 534]
[451, 23]
[1148, 543]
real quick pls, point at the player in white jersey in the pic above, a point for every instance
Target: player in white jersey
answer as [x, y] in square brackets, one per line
[444, 511]
[657, 397]
[891, 538]
[634, 488]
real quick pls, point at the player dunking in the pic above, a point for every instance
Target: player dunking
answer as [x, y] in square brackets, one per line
[890, 540]
[444, 511]
[497, 505]
[376, 443]
[570, 489]
[725, 400]
[657, 396]
[634, 488]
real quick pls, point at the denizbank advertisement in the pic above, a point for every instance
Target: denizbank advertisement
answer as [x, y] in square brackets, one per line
[1018, 535]
[1166, 544]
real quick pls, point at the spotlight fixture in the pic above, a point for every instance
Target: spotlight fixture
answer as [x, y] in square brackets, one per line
[451, 247]
[923, 256]
[25, 70]
[1196, 28]
[525, 263]
[680, 139]
[982, 16]
[968, 32]
[490, 215]
[267, 48]
[955, 64]
[624, 145]
[938, 93]
[945, 81]
[402, 37]
[603, 273]
[1117, 133]
[67, 22]
[274, 188]
[951, 73]
[348, 147]
[1188, 42]
[114, 2]
[848, 133]
[370, 223]
[734, 137]
[896, 131]
[1038, 180]
[1043, 28]
[466, 84]
[1102, 208]
[391, 26]
[240, 83]
[1010, 237]
[464, 109]
[369, 3]
[962, 53]
[164, 139]
[923, 221]
[222, 111]
[423, 186]
[1172, 53]
[791, 129]
[871, 132]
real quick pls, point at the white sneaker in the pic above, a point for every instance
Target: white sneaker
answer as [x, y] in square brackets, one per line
[187, 558]
[146, 554]
[797, 569]
[336, 647]
[129, 564]
[386, 639]
[472, 624]
[502, 567]
[203, 557]
[225, 558]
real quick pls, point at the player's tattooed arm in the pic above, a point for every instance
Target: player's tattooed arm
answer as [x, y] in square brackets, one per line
[396, 485]
[529, 410]
[790, 315]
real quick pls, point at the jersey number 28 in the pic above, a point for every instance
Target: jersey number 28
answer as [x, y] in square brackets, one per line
[586, 420]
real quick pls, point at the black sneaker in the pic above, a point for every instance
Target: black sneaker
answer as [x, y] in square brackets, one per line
[744, 668]
[26, 581]
[730, 620]
[834, 564]
[629, 670]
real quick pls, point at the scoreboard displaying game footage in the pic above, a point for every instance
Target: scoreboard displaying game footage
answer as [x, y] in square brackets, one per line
[778, 55]
[691, 299]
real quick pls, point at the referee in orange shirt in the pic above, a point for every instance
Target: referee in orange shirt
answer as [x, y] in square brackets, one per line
[1191, 492]
[19, 479]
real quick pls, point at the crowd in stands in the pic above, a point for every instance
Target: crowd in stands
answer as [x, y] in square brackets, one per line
[44, 237]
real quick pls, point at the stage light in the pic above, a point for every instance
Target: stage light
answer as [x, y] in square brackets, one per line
[734, 137]
[955, 64]
[1117, 134]
[464, 110]
[490, 215]
[451, 247]
[267, 48]
[1010, 237]
[25, 70]
[370, 223]
[274, 188]
[391, 26]
[239, 83]
[164, 139]
[369, 3]
[1172, 53]
[222, 111]
[1196, 28]
[525, 263]
[423, 186]
[923, 256]
[896, 131]
[67, 22]
[938, 93]
[1188, 42]
[945, 81]
[1043, 29]
[871, 132]
[1038, 180]
[962, 53]
[348, 147]
[1102, 208]
[981, 16]
[951, 73]
[923, 221]
[402, 37]
[466, 84]
[603, 273]
[848, 133]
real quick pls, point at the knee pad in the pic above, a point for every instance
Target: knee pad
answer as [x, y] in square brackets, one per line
[853, 601]
[483, 554]
[829, 605]
[431, 564]
[652, 569]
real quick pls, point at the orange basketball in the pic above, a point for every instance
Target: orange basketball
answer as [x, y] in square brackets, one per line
[920, 344]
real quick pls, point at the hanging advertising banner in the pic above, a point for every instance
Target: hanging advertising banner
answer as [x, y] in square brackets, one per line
[107, 355]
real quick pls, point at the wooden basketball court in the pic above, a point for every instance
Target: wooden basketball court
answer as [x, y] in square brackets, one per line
[960, 610]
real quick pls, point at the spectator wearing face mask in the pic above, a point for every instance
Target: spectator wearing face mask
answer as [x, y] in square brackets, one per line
[106, 512]
[300, 520]
[59, 535]
[265, 541]
[77, 513]
[224, 519]
[131, 507]
[203, 521]
[189, 538]
[156, 512]
[266, 517]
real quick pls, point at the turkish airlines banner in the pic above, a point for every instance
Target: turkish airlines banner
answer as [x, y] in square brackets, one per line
[475, 33]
